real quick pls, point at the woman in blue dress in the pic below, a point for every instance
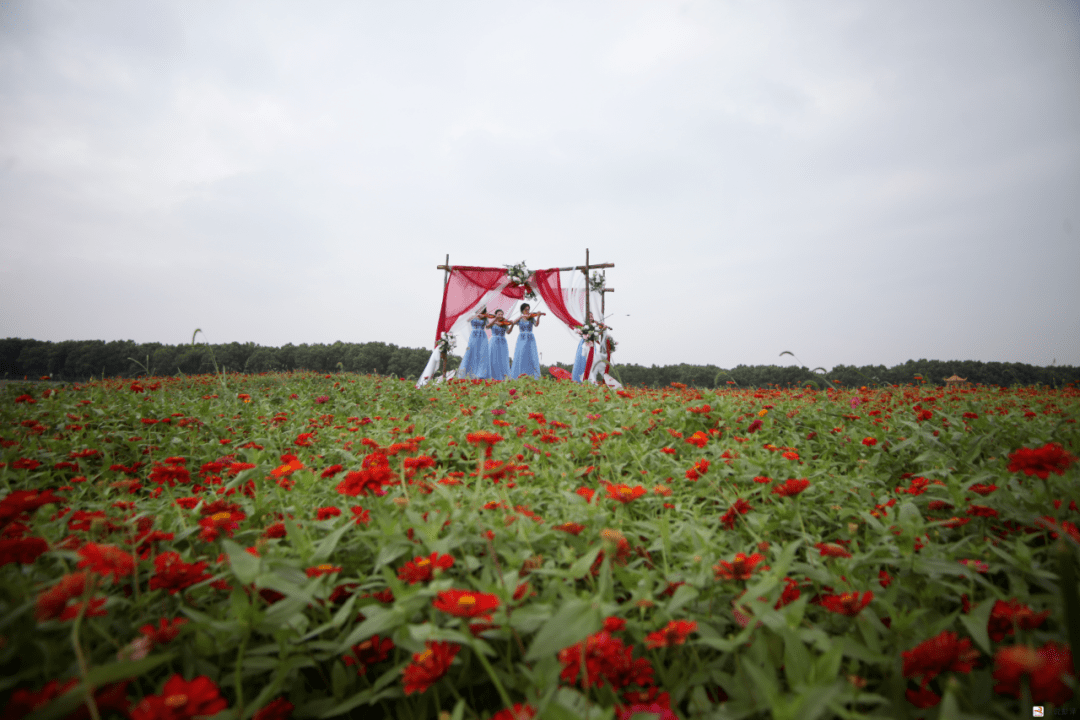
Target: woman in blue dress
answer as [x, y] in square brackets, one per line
[475, 361]
[526, 357]
[498, 350]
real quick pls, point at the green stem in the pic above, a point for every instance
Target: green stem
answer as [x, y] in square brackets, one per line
[1067, 570]
[237, 680]
[491, 674]
[80, 658]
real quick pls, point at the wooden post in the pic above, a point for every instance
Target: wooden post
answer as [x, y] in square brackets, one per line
[587, 288]
[446, 281]
[603, 297]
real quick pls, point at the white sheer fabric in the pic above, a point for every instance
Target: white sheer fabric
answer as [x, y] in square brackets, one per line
[493, 301]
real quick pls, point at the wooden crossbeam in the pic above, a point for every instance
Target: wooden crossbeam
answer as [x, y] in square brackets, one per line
[562, 269]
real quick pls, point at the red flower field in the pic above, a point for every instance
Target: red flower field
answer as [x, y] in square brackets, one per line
[316, 546]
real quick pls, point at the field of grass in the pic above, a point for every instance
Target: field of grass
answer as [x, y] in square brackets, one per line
[315, 546]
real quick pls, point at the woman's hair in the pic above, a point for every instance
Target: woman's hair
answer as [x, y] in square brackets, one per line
[483, 310]
[523, 306]
[498, 311]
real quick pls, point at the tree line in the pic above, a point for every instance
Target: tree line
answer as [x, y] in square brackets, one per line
[80, 360]
[84, 359]
[933, 372]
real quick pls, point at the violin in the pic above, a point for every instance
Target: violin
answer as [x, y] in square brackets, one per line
[530, 316]
[504, 322]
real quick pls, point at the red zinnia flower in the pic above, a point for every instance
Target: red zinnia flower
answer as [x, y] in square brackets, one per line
[847, 603]
[586, 493]
[169, 474]
[832, 550]
[93, 610]
[791, 487]
[606, 659]
[374, 473]
[944, 652]
[323, 569]
[214, 525]
[700, 468]
[180, 700]
[569, 527]
[1005, 616]
[791, 455]
[753, 427]
[675, 633]
[290, 465]
[325, 513]
[699, 439]
[279, 709]
[106, 560]
[624, 493]
[484, 437]
[518, 712]
[1050, 458]
[165, 632]
[421, 569]
[428, 666]
[1047, 667]
[465, 603]
[739, 507]
[741, 568]
[370, 652]
[22, 550]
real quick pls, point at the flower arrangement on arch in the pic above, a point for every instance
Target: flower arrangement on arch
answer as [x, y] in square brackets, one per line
[447, 343]
[590, 331]
[519, 277]
[597, 282]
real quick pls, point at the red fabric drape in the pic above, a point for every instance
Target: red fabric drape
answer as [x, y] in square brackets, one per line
[548, 284]
[463, 291]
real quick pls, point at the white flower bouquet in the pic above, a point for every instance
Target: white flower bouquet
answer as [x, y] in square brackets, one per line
[447, 343]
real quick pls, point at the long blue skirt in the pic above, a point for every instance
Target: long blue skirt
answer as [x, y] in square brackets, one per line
[498, 355]
[475, 361]
[526, 356]
[579, 361]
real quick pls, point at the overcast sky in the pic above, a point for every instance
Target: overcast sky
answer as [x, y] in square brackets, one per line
[856, 182]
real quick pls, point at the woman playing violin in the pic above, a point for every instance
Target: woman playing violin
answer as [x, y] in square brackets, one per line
[498, 350]
[526, 356]
[475, 361]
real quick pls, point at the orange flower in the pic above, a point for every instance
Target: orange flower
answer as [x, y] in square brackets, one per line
[624, 493]
[848, 603]
[483, 437]
[675, 633]
[465, 603]
[699, 439]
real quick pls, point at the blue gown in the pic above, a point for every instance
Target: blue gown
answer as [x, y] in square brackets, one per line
[475, 361]
[526, 357]
[498, 354]
[579, 361]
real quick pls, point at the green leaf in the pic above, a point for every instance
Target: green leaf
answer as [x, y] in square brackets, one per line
[797, 661]
[683, 594]
[579, 568]
[379, 620]
[327, 545]
[574, 621]
[245, 566]
[976, 624]
[815, 701]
